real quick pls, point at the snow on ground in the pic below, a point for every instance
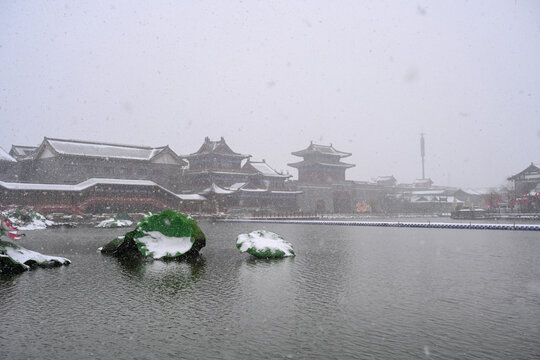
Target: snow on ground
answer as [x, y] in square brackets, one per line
[158, 245]
[264, 243]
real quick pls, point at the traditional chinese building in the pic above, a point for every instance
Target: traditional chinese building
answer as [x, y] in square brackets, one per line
[97, 196]
[266, 189]
[215, 163]
[526, 196]
[321, 164]
[526, 180]
[232, 180]
[321, 178]
[58, 161]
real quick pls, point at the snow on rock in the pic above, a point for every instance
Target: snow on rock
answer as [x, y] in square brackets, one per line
[16, 259]
[114, 223]
[264, 244]
[160, 246]
[169, 235]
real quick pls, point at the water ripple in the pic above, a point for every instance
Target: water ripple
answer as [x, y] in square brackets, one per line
[359, 293]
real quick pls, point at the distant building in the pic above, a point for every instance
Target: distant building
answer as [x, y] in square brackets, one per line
[386, 180]
[321, 178]
[526, 180]
[526, 196]
[321, 164]
[422, 183]
[58, 161]
[230, 179]
[432, 201]
[215, 163]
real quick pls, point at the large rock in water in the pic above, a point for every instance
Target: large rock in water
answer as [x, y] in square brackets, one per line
[264, 244]
[169, 235]
[15, 259]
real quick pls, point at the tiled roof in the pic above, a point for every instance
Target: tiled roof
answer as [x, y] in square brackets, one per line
[321, 149]
[215, 189]
[531, 172]
[215, 147]
[76, 187]
[22, 152]
[103, 150]
[4, 156]
[263, 168]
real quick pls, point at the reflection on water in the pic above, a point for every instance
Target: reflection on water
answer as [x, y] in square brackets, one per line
[349, 293]
[172, 275]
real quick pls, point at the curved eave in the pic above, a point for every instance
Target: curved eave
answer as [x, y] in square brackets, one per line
[309, 152]
[531, 168]
[302, 164]
[206, 171]
[278, 176]
[206, 153]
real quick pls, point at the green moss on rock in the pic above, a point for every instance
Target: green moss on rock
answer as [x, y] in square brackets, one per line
[171, 224]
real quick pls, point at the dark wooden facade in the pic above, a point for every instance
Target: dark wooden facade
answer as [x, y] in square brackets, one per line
[97, 196]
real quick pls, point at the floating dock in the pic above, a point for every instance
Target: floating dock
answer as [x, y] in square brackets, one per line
[429, 225]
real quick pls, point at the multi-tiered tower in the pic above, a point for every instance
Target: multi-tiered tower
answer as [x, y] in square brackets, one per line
[321, 164]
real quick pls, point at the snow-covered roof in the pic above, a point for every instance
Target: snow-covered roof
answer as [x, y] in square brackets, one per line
[215, 147]
[236, 186]
[263, 168]
[477, 191]
[103, 150]
[423, 181]
[429, 192]
[321, 149]
[4, 156]
[216, 190]
[192, 197]
[385, 178]
[77, 187]
[22, 152]
[531, 172]
[254, 190]
[94, 181]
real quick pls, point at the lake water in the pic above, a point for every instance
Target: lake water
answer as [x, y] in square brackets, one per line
[350, 293]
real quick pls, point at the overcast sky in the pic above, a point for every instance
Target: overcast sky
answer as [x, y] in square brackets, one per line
[270, 76]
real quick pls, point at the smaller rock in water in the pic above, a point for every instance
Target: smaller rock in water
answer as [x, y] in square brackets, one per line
[15, 259]
[169, 235]
[114, 223]
[264, 244]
